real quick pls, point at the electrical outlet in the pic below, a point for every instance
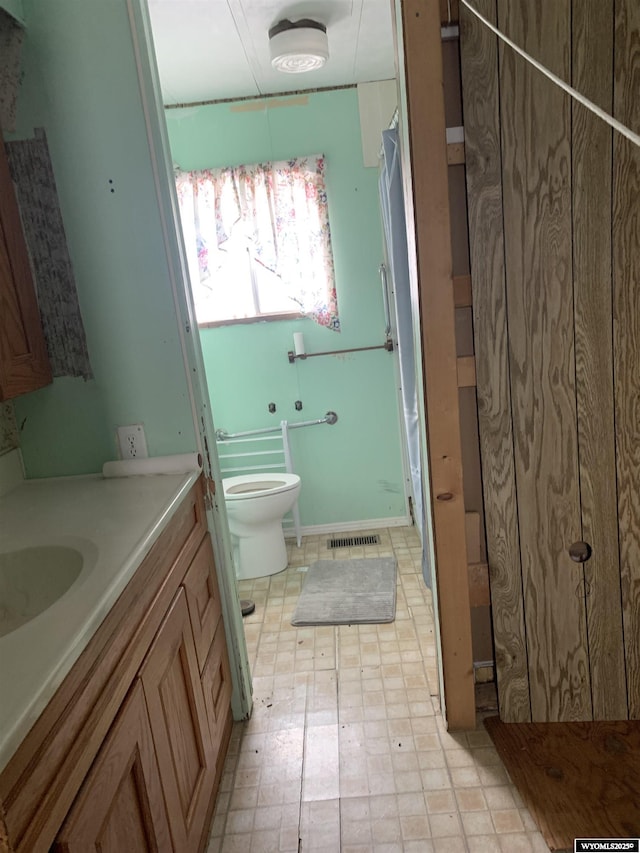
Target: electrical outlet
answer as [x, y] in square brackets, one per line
[132, 442]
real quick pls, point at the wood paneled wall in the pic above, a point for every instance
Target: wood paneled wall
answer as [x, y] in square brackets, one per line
[626, 328]
[479, 54]
[554, 216]
[592, 282]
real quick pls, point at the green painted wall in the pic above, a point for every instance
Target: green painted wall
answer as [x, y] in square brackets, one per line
[351, 471]
[81, 86]
[14, 8]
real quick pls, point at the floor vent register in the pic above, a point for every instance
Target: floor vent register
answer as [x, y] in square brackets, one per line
[351, 541]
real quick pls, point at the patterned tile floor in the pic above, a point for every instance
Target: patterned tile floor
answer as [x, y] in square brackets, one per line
[346, 749]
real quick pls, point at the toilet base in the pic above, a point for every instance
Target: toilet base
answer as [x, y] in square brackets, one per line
[261, 554]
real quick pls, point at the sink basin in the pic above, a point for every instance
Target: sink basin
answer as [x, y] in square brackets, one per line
[32, 579]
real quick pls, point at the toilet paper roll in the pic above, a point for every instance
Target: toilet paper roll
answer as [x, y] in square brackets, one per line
[179, 463]
[298, 343]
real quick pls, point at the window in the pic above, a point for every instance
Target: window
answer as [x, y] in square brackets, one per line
[258, 241]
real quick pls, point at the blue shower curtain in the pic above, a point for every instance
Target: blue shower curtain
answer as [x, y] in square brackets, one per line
[392, 204]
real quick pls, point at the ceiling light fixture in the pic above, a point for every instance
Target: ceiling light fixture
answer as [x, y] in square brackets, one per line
[298, 47]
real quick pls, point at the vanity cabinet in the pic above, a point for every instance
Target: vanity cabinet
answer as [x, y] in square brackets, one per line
[135, 791]
[24, 362]
[128, 754]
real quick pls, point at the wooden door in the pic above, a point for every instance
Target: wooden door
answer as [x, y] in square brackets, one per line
[120, 805]
[177, 713]
[541, 226]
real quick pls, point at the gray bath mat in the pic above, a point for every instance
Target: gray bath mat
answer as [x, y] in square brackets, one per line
[346, 592]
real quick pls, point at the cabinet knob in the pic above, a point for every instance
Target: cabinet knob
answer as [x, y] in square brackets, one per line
[580, 552]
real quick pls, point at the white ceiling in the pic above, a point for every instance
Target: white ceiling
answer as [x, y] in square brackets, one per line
[215, 49]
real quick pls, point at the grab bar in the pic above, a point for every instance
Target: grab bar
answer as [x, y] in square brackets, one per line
[330, 418]
[388, 345]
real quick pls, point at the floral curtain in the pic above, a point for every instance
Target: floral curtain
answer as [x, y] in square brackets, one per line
[280, 209]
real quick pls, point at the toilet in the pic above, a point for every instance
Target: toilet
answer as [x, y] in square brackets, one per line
[256, 504]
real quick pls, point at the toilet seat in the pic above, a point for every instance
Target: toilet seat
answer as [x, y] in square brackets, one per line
[247, 486]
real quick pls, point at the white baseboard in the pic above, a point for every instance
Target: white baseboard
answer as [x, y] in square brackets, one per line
[348, 526]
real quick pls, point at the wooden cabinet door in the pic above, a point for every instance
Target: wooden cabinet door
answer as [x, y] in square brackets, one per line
[216, 683]
[24, 363]
[120, 805]
[203, 599]
[175, 703]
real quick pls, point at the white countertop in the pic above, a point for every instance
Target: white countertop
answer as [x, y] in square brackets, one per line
[113, 522]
